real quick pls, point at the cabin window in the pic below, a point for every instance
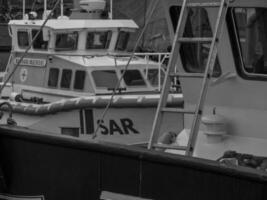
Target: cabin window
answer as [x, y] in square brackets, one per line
[122, 41]
[79, 80]
[251, 28]
[39, 43]
[133, 78]
[195, 55]
[98, 40]
[23, 39]
[105, 79]
[66, 78]
[53, 77]
[66, 41]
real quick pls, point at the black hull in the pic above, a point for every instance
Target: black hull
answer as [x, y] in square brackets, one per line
[70, 169]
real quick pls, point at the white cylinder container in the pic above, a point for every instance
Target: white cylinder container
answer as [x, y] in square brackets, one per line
[215, 127]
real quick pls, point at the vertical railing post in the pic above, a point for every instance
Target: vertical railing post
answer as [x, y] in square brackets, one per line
[61, 8]
[147, 61]
[159, 71]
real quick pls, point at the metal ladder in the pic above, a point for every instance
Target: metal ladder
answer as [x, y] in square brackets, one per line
[222, 6]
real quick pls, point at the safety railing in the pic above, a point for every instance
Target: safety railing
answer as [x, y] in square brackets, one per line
[162, 61]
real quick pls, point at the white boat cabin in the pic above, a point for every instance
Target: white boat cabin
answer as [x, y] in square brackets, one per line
[75, 57]
[238, 87]
[62, 74]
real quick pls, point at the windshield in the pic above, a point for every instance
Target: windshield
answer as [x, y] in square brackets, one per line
[122, 41]
[66, 41]
[98, 40]
[105, 79]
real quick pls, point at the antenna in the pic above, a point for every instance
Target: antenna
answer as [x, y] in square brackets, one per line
[23, 9]
[61, 8]
[111, 9]
[45, 6]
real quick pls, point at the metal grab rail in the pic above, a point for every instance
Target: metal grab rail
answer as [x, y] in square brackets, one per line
[160, 58]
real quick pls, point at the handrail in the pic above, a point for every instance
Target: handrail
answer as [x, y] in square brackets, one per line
[161, 58]
[118, 54]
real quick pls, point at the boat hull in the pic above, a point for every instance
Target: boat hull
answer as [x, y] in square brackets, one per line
[120, 125]
[53, 167]
[128, 120]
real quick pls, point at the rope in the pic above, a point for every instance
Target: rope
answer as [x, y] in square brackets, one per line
[29, 47]
[125, 69]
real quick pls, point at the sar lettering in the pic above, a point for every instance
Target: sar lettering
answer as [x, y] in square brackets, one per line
[124, 127]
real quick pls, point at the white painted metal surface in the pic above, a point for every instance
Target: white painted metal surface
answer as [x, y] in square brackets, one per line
[77, 24]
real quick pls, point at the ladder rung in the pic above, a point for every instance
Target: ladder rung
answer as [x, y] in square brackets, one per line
[187, 75]
[204, 4]
[167, 146]
[178, 110]
[195, 39]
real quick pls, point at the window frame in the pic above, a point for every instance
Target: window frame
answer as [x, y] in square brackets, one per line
[118, 39]
[108, 40]
[184, 60]
[38, 37]
[75, 78]
[70, 81]
[18, 41]
[237, 51]
[103, 87]
[58, 77]
[145, 85]
[66, 33]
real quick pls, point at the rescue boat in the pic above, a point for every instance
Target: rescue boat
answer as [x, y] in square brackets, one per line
[74, 76]
[223, 150]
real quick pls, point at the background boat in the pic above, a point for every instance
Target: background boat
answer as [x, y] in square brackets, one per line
[155, 39]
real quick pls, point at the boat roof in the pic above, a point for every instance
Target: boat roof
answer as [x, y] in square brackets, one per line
[97, 61]
[63, 24]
